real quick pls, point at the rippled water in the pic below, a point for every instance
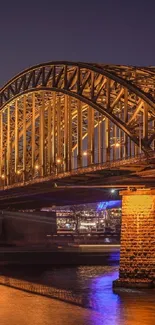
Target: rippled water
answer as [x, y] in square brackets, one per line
[93, 283]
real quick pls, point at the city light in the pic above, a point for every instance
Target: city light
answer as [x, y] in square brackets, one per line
[85, 153]
[3, 176]
[109, 204]
[18, 172]
[90, 219]
[117, 145]
[58, 161]
[36, 167]
[113, 191]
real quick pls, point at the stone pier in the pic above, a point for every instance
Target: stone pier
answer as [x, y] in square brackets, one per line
[137, 257]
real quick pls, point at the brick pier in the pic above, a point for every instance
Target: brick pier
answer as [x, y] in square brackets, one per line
[137, 258]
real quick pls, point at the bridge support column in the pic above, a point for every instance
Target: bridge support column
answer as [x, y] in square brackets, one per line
[137, 257]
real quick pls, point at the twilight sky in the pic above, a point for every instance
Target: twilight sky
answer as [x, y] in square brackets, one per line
[102, 31]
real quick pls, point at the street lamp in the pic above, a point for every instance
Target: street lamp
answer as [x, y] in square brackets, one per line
[36, 166]
[58, 165]
[18, 172]
[58, 161]
[116, 145]
[3, 180]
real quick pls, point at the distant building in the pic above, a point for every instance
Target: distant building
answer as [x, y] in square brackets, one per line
[92, 218]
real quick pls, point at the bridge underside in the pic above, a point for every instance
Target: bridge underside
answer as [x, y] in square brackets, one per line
[56, 197]
[87, 187]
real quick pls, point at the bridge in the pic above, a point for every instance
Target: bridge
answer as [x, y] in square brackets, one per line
[69, 123]
[61, 116]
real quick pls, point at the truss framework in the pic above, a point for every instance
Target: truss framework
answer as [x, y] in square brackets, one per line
[58, 116]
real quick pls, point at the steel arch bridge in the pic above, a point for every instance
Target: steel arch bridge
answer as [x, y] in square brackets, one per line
[59, 116]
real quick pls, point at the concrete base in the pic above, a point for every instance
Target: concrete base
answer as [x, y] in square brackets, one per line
[133, 283]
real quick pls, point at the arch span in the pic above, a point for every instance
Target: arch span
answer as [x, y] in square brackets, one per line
[62, 115]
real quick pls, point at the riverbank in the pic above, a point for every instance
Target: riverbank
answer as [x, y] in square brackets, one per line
[89, 285]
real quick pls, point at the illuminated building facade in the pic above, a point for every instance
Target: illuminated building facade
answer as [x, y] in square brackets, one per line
[102, 218]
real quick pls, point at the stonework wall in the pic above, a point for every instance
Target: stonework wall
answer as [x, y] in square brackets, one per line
[137, 258]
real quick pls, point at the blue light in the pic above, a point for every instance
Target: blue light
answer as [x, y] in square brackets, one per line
[104, 301]
[109, 205]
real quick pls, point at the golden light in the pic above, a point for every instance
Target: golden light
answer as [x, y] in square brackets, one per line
[36, 167]
[137, 205]
[85, 153]
[58, 161]
[18, 172]
[117, 145]
[3, 176]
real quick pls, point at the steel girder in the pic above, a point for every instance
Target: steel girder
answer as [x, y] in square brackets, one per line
[59, 104]
[87, 83]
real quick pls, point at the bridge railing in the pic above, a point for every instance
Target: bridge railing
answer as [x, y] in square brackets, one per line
[141, 158]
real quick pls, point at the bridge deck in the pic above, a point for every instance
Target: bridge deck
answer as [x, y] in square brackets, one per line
[58, 189]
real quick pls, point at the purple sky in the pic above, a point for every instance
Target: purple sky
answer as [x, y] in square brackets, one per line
[103, 31]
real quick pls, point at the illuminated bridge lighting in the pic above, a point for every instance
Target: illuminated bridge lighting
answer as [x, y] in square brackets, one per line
[67, 101]
[109, 205]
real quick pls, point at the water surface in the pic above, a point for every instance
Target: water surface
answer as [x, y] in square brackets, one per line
[100, 304]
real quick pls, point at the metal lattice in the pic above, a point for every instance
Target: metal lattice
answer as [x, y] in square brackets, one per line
[58, 116]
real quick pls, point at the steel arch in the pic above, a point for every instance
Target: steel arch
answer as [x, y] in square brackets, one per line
[123, 96]
[109, 71]
[37, 76]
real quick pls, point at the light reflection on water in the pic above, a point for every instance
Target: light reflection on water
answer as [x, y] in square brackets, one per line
[94, 284]
[103, 299]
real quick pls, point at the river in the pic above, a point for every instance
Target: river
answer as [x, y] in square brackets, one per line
[93, 283]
